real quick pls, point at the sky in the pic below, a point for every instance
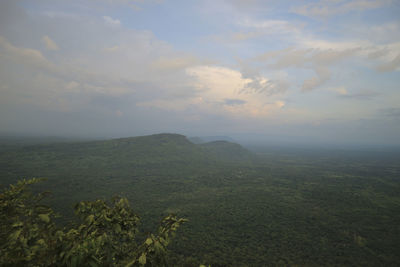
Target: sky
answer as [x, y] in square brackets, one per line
[309, 71]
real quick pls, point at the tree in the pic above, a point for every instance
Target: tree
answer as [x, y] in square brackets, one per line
[103, 236]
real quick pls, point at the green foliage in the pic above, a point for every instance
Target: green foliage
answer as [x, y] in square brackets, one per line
[103, 236]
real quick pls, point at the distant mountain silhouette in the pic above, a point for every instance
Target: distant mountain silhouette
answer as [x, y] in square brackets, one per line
[206, 139]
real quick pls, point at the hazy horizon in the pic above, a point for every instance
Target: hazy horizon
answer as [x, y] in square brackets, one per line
[290, 72]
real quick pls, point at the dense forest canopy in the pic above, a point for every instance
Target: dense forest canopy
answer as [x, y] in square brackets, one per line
[269, 207]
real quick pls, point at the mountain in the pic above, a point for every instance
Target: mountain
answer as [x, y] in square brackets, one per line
[118, 160]
[207, 139]
[228, 151]
[86, 170]
[152, 149]
[196, 140]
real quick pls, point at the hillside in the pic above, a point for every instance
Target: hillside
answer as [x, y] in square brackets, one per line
[142, 155]
[227, 151]
[82, 170]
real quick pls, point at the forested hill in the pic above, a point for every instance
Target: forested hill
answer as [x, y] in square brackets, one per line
[175, 147]
[153, 151]
[227, 151]
[92, 169]
[74, 168]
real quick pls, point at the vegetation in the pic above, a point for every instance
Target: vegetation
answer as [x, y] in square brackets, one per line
[273, 207]
[104, 235]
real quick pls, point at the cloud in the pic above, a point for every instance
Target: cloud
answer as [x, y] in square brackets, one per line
[234, 102]
[112, 48]
[139, 68]
[327, 8]
[176, 105]
[259, 84]
[323, 75]
[239, 95]
[111, 22]
[361, 95]
[317, 59]
[135, 5]
[343, 93]
[108, 75]
[165, 63]
[384, 56]
[249, 28]
[339, 90]
[49, 43]
[281, 26]
[22, 55]
[393, 112]
[221, 91]
[242, 36]
[393, 65]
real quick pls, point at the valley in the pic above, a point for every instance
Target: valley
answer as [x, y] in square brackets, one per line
[245, 208]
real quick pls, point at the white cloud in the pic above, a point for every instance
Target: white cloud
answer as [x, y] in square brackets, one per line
[49, 43]
[111, 22]
[216, 84]
[225, 92]
[322, 56]
[251, 28]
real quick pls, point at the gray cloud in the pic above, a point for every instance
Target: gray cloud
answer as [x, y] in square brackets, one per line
[391, 65]
[326, 8]
[63, 64]
[323, 75]
[268, 87]
[363, 95]
[319, 60]
[390, 112]
[233, 102]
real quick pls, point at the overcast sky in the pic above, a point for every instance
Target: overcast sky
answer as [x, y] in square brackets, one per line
[325, 70]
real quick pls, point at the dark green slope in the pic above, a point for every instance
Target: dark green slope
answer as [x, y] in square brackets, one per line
[156, 154]
[227, 151]
[102, 168]
[156, 148]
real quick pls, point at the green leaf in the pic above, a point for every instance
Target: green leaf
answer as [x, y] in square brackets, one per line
[44, 217]
[15, 235]
[130, 263]
[142, 259]
[17, 224]
[117, 228]
[41, 242]
[90, 218]
[149, 241]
